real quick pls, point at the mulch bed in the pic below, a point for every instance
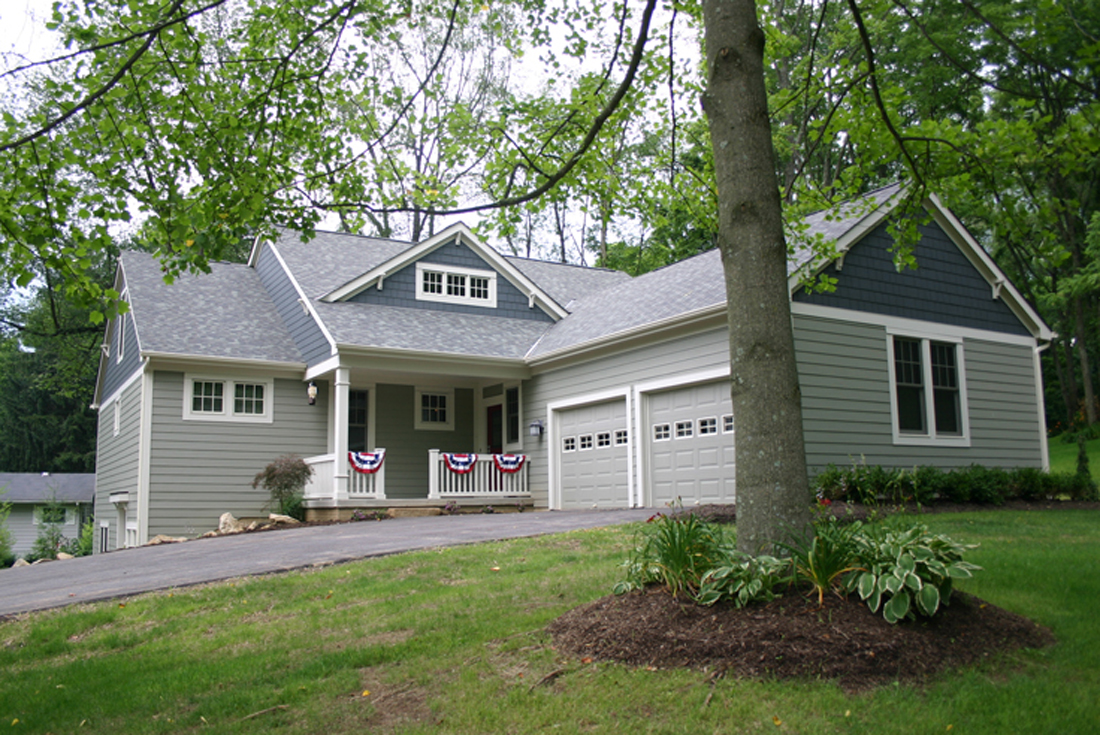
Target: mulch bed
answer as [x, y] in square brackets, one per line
[791, 637]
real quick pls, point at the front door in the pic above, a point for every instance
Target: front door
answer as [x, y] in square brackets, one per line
[494, 421]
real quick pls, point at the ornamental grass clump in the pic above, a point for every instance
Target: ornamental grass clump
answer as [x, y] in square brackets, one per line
[675, 551]
[825, 556]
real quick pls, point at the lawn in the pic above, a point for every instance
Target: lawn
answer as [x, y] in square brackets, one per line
[451, 641]
[1063, 456]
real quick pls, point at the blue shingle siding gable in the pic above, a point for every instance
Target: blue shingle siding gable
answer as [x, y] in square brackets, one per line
[115, 373]
[307, 336]
[399, 289]
[944, 288]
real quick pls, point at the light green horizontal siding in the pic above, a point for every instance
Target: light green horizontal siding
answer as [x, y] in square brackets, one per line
[844, 375]
[407, 447]
[687, 354]
[201, 469]
[117, 460]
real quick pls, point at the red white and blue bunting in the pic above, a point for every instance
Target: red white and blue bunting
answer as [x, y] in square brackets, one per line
[460, 464]
[366, 462]
[509, 463]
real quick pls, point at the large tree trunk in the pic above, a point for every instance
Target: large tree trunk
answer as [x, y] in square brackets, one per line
[1083, 357]
[773, 497]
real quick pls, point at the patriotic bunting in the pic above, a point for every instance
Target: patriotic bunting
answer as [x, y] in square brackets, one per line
[367, 462]
[509, 463]
[460, 464]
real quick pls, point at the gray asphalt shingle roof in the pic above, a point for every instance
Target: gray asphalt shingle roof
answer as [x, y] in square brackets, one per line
[224, 313]
[27, 487]
[331, 259]
[567, 283]
[228, 314]
[424, 330]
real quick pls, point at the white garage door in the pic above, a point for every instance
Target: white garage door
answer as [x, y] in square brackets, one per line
[593, 451]
[691, 450]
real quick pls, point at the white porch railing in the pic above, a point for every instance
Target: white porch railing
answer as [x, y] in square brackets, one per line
[485, 480]
[360, 485]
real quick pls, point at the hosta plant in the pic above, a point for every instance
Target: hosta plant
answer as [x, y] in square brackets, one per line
[904, 569]
[743, 579]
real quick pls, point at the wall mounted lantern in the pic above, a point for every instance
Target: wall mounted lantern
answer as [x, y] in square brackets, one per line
[311, 391]
[535, 429]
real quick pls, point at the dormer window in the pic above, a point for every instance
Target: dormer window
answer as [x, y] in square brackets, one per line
[451, 285]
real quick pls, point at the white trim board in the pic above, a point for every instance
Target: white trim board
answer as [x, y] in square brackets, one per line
[909, 326]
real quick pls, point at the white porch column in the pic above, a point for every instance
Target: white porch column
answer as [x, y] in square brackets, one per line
[340, 434]
[433, 474]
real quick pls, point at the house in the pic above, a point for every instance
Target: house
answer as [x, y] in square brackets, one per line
[414, 355]
[32, 494]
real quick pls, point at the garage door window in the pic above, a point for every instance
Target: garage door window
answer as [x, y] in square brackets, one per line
[622, 437]
[603, 439]
[708, 426]
[684, 429]
[586, 441]
[727, 424]
[662, 432]
[569, 444]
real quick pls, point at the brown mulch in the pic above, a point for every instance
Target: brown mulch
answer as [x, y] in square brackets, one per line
[791, 637]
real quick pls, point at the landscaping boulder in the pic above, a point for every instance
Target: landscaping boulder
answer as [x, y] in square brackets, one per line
[228, 524]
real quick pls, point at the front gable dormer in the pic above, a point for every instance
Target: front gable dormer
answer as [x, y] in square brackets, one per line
[451, 271]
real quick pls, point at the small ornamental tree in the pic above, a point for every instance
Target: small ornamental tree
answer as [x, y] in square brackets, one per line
[285, 479]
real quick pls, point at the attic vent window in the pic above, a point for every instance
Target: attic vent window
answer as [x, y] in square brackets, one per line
[453, 285]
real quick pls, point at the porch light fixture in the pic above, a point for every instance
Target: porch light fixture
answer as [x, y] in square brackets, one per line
[311, 391]
[535, 429]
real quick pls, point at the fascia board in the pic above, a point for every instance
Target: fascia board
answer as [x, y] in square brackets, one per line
[985, 265]
[649, 332]
[120, 286]
[167, 360]
[442, 362]
[254, 253]
[418, 251]
[845, 242]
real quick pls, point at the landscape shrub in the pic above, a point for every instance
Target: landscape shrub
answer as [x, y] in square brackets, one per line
[285, 479]
[871, 484]
[743, 579]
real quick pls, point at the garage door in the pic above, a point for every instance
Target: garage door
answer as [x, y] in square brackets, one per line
[691, 451]
[593, 454]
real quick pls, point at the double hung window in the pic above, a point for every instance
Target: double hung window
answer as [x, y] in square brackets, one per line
[928, 391]
[223, 399]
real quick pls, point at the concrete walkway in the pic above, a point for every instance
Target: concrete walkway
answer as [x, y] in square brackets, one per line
[128, 572]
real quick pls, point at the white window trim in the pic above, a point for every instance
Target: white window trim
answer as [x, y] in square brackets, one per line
[227, 413]
[516, 446]
[733, 425]
[604, 436]
[568, 444]
[70, 515]
[699, 426]
[120, 330]
[930, 438]
[667, 427]
[449, 424]
[591, 442]
[624, 436]
[687, 425]
[444, 298]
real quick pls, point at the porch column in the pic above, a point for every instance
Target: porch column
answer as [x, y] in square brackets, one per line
[340, 434]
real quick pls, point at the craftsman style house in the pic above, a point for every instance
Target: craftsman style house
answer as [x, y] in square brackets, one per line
[386, 364]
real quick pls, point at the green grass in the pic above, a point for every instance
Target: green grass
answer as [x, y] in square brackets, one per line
[451, 641]
[1063, 457]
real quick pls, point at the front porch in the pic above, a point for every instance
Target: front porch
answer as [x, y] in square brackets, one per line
[337, 489]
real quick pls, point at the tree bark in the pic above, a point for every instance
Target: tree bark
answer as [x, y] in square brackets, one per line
[1083, 357]
[773, 497]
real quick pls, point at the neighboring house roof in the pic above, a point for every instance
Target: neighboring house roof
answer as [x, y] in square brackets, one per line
[225, 313]
[30, 487]
[566, 283]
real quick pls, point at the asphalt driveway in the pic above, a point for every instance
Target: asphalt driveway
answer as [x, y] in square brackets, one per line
[128, 572]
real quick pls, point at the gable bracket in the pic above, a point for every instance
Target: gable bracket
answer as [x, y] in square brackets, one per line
[997, 287]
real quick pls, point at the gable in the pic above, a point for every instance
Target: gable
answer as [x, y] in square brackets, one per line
[453, 256]
[945, 287]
